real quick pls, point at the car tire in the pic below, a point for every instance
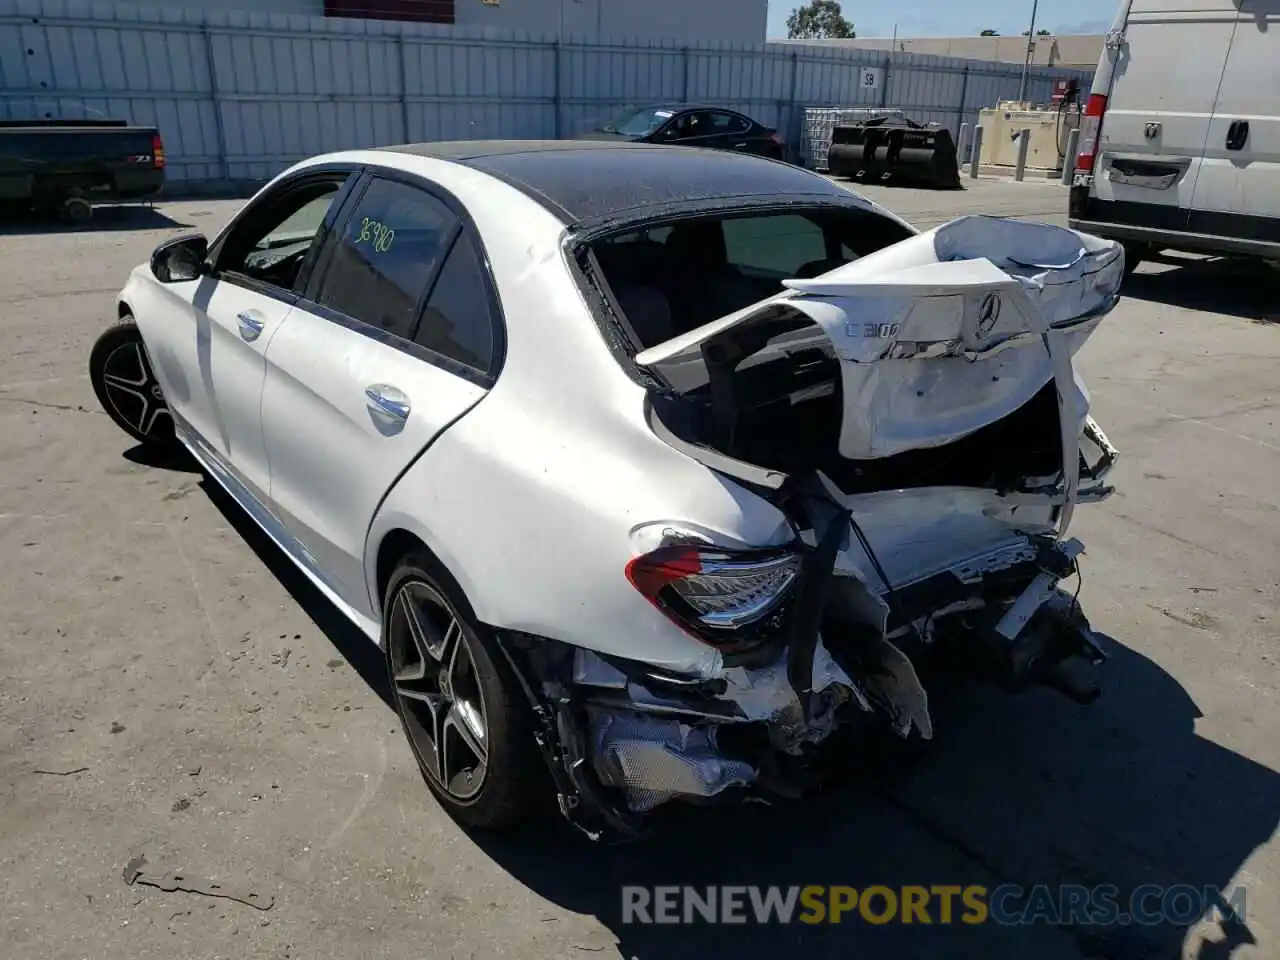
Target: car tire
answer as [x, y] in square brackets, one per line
[124, 381]
[461, 707]
[76, 210]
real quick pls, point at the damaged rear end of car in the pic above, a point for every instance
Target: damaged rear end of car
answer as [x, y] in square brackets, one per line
[910, 404]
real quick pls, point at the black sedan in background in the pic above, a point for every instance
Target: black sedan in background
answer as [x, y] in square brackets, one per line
[692, 125]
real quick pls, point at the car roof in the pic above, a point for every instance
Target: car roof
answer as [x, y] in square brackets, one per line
[582, 181]
[679, 107]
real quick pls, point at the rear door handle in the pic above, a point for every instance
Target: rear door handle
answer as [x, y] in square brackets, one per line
[1237, 134]
[387, 401]
[739, 146]
[251, 324]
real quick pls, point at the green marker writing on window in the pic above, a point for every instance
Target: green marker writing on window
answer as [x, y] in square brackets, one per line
[376, 233]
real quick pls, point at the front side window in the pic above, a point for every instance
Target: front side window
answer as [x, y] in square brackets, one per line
[272, 242]
[387, 254]
[458, 320]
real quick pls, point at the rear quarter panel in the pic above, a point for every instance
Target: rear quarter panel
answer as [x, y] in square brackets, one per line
[531, 499]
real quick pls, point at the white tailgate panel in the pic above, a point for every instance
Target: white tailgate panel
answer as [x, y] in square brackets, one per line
[1167, 73]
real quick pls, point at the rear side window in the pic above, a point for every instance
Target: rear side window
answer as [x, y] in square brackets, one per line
[728, 123]
[773, 246]
[386, 256]
[458, 320]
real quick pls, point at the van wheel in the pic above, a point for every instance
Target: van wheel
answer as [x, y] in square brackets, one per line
[1134, 254]
[126, 386]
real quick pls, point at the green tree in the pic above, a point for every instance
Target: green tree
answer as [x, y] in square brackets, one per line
[1039, 33]
[819, 20]
[989, 33]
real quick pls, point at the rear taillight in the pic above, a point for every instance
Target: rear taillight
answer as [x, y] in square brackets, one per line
[1090, 131]
[157, 151]
[722, 597]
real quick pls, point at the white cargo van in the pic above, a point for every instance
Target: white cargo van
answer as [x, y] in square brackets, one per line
[1180, 144]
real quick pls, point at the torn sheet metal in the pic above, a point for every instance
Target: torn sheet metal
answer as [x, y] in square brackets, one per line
[180, 880]
[1035, 595]
[944, 333]
[921, 532]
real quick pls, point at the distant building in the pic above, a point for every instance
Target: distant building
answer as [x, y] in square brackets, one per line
[1075, 52]
[742, 21]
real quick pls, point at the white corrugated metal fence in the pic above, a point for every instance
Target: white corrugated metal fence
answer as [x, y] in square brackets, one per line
[238, 96]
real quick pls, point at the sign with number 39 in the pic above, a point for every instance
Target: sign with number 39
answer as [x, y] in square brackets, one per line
[871, 77]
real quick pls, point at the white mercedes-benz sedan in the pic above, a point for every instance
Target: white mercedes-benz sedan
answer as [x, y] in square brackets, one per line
[649, 468]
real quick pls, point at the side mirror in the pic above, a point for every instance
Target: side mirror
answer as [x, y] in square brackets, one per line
[182, 258]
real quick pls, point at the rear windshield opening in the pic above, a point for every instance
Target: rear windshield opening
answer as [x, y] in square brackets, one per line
[673, 278]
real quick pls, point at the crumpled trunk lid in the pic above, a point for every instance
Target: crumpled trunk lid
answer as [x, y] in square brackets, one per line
[940, 334]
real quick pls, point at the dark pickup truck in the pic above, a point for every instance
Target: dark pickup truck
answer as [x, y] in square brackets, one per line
[65, 166]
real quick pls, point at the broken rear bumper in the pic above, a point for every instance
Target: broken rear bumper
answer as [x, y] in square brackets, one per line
[621, 738]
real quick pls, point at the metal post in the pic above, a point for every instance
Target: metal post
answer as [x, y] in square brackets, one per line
[793, 109]
[224, 166]
[1026, 60]
[961, 142]
[555, 79]
[975, 155]
[684, 95]
[884, 90]
[1069, 161]
[964, 95]
[1024, 141]
[404, 89]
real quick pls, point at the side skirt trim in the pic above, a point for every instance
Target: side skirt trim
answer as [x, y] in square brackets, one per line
[224, 474]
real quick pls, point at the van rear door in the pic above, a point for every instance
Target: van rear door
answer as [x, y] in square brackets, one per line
[1165, 77]
[1238, 191]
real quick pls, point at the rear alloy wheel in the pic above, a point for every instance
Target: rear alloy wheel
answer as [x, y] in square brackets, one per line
[467, 730]
[126, 386]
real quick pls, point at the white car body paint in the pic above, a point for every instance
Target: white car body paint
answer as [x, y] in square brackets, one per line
[537, 491]
[320, 422]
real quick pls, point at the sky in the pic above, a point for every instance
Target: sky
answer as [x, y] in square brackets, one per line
[941, 18]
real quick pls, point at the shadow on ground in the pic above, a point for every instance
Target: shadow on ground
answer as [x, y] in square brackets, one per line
[1017, 790]
[106, 219]
[365, 658]
[1021, 790]
[1236, 286]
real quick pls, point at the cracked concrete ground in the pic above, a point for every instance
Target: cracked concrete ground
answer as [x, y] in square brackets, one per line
[171, 688]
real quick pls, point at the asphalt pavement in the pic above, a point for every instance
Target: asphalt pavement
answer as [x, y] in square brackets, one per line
[171, 688]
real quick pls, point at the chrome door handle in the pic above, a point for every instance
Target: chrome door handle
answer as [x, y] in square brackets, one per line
[388, 401]
[739, 146]
[250, 326]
